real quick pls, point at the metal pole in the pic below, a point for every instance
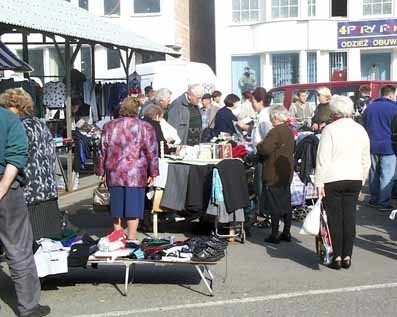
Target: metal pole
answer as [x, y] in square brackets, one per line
[25, 52]
[68, 92]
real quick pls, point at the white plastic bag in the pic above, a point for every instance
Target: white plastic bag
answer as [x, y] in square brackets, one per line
[311, 225]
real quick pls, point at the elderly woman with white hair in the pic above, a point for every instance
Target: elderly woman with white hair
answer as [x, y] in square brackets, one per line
[343, 161]
[277, 150]
[322, 115]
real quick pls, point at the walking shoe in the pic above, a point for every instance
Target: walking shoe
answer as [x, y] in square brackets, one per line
[285, 237]
[272, 239]
[39, 311]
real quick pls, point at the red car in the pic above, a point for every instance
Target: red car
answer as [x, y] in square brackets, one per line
[285, 94]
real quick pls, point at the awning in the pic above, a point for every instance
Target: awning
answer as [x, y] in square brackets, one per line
[61, 18]
[9, 61]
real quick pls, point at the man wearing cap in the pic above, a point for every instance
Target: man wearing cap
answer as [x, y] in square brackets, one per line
[208, 112]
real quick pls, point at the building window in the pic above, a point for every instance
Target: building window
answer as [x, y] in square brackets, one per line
[285, 69]
[377, 7]
[111, 7]
[146, 6]
[244, 11]
[311, 8]
[284, 9]
[339, 8]
[113, 59]
[338, 66]
[83, 4]
[311, 67]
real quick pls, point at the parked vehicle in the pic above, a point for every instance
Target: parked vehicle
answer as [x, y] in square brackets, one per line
[176, 75]
[285, 94]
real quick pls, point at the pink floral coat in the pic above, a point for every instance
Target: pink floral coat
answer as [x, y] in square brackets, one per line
[128, 153]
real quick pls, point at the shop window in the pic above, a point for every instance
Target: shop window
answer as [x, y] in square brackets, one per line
[284, 9]
[311, 67]
[146, 6]
[113, 59]
[285, 69]
[111, 7]
[244, 11]
[83, 4]
[338, 66]
[36, 60]
[339, 8]
[377, 7]
[311, 8]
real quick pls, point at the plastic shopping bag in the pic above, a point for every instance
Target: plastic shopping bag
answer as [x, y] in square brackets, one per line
[324, 241]
[311, 225]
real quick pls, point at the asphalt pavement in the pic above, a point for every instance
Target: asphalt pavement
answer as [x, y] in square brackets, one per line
[256, 279]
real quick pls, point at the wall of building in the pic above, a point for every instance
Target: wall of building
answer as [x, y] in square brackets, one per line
[301, 35]
[202, 32]
[182, 27]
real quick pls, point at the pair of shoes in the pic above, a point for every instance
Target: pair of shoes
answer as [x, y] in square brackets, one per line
[285, 237]
[346, 263]
[208, 255]
[39, 311]
[272, 239]
[336, 265]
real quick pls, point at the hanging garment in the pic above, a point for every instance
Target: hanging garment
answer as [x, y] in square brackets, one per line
[54, 94]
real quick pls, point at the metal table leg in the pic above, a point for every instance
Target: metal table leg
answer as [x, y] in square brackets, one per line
[208, 280]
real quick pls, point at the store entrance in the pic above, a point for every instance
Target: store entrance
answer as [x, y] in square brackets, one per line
[375, 66]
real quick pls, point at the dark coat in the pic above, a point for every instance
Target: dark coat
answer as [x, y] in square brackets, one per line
[277, 151]
[305, 157]
[159, 135]
[322, 114]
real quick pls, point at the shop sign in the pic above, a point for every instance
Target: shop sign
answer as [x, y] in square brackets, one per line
[361, 34]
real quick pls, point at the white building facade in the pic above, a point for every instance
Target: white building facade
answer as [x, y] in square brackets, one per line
[162, 21]
[296, 41]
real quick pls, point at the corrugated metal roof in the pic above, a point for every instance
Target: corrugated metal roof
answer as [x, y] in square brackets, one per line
[61, 18]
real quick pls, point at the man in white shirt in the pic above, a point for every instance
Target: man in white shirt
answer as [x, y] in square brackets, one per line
[301, 110]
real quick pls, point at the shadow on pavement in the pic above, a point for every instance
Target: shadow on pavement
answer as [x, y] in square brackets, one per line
[293, 250]
[378, 245]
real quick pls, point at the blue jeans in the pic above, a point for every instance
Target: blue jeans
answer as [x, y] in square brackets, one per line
[381, 178]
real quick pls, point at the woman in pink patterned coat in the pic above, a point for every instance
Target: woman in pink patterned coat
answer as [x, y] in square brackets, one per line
[128, 159]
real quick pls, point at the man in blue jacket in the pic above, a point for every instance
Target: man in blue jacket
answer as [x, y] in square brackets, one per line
[377, 120]
[15, 228]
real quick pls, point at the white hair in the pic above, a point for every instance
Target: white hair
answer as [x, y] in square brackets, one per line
[196, 90]
[341, 105]
[278, 112]
[162, 94]
[324, 91]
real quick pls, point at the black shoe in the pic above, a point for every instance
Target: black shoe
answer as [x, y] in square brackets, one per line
[336, 265]
[272, 239]
[39, 311]
[285, 237]
[346, 263]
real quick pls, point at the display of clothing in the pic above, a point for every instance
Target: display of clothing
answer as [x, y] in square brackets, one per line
[178, 176]
[235, 186]
[54, 94]
[217, 205]
[40, 166]
[199, 188]
[90, 99]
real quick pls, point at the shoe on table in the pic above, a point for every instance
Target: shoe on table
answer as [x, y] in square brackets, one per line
[39, 311]
[272, 239]
[285, 237]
